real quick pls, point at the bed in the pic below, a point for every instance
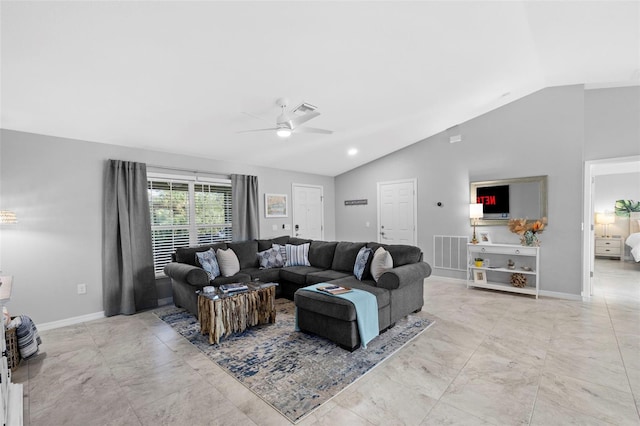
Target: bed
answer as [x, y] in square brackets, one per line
[633, 240]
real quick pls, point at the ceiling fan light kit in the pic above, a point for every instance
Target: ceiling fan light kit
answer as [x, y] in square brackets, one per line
[283, 132]
[289, 122]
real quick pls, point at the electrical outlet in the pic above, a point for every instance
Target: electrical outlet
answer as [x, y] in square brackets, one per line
[82, 289]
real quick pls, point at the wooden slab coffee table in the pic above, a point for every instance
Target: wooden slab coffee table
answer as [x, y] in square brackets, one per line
[222, 314]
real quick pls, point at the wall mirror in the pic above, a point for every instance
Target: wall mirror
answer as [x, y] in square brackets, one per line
[506, 199]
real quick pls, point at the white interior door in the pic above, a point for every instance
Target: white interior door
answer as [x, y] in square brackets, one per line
[308, 207]
[397, 212]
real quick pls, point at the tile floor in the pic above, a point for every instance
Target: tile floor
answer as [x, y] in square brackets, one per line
[491, 358]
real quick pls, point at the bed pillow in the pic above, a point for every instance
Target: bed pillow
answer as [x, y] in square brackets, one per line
[297, 255]
[207, 259]
[270, 258]
[361, 262]
[228, 261]
[381, 263]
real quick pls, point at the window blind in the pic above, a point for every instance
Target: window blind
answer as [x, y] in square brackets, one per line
[185, 213]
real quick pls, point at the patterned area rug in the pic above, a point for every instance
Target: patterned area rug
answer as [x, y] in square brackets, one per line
[292, 371]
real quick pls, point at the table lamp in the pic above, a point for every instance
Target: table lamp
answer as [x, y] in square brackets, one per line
[605, 219]
[475, 213]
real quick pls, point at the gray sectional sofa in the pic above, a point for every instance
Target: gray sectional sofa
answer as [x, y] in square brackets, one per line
[399, 291]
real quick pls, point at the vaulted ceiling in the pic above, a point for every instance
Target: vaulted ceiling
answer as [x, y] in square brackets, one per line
[186, 77]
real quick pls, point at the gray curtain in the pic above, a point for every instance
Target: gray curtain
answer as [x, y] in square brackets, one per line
[128, 279]
[244, 216]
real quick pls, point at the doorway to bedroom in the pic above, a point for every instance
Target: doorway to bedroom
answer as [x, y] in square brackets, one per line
[610, 270]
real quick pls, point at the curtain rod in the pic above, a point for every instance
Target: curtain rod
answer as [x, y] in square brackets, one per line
[195, 172]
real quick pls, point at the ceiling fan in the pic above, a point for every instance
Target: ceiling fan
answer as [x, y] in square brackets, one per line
[289, 122]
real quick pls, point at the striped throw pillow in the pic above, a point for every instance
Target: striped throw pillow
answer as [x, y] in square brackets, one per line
[297, 255]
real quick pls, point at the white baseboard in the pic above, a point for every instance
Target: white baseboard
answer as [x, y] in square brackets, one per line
[69, 321]
[558, 295]
[546, 293]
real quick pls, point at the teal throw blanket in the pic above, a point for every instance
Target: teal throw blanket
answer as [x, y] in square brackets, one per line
[366, 306]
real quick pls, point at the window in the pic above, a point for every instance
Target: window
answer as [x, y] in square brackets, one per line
[185, 213]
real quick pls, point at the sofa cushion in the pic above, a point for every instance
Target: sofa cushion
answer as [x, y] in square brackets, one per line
[345, 256]
[237, 278]
[336, 307]
[401, 254]
[297, 241]
[297, 255]
[324, 276]
[264, 275]
[247, 252]
[383, 296]
[270, 258]
[297, 274]
[188, 254]
[321, 253]
[266, 244]
[207, 259]
[228, 261]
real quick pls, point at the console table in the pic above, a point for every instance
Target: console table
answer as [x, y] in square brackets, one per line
[497, 274]
[10, 393]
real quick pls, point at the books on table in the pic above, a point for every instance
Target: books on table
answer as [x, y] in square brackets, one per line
[334, 289]
[233, 287]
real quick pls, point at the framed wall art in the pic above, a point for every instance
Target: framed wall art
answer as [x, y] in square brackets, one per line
[479, 276]
[484, 237]
[275, 205]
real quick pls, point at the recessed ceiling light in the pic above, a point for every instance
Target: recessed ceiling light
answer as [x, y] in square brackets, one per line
[352, 151]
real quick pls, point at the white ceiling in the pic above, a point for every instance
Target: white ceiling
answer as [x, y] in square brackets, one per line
[177, 76]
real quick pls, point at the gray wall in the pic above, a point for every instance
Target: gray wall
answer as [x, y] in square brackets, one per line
[541, 134]
[55, 186]
[612, 123]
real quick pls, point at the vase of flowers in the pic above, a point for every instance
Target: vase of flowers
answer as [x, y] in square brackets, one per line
[528, 230]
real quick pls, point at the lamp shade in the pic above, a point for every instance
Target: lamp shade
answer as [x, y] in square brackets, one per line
[475, 211]
[8, 217]
[605, 218]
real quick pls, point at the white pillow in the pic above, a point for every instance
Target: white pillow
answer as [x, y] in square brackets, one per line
[381, 263]
[228, 262]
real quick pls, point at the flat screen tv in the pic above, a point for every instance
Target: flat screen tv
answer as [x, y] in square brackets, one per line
[494, 200]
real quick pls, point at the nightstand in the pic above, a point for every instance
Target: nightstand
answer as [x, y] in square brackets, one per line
[609, 247]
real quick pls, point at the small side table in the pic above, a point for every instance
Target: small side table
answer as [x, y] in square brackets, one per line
[609, 247]
[221, 314]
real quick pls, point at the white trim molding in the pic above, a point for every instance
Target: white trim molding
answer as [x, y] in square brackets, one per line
[70, 321]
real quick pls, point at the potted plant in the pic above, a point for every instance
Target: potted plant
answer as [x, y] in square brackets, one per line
[478, 261]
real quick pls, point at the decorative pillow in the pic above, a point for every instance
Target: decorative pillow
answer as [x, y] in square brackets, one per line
[283, 251]
[270, 258]
[228, 261]
[297, 255]
[207, 259]
[361, 262]
[381, 263]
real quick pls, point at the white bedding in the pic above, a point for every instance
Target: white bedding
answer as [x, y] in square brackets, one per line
[633, 241]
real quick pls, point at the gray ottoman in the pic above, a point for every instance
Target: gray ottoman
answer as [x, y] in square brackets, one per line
[331, 317]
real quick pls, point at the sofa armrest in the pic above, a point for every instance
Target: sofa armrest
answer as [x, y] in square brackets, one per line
[404, 275]
[185, 273]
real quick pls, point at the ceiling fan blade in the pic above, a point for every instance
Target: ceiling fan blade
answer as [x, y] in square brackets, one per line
[305, 129]
[259, 130]
[296, 121]
[257, 117]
